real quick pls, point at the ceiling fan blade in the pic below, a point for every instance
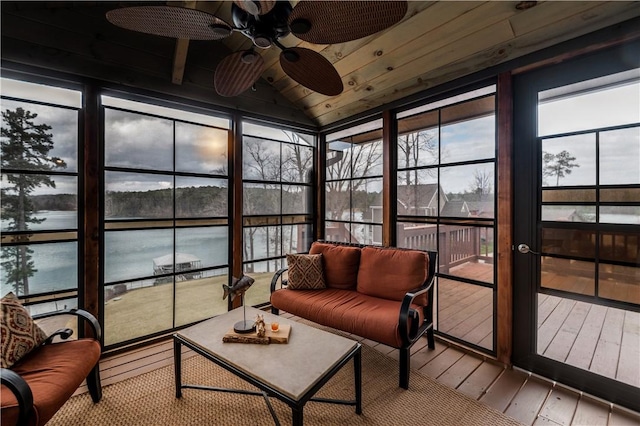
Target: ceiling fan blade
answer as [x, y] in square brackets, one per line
[170, 21]
[312, 70]
[237, 72]
[256, 7]
[329, 22]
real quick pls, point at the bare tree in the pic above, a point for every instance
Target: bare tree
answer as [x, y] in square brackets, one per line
[482, 183]
[262, 164]
[297, 166]
[357, 161]
[412, 149]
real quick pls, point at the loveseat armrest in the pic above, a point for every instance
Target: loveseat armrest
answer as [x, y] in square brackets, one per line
[19, 387]
[408, 315]
[274, 282]
[277, 276]
[86, 316]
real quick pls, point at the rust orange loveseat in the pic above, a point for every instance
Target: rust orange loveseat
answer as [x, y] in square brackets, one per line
[381, 294]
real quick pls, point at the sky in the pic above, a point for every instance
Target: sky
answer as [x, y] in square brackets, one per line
[145, 141]
[619, 149]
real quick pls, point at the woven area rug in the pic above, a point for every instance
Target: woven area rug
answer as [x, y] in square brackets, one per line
[149, 399]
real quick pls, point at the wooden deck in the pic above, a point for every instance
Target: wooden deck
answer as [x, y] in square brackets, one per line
[528, 399]
[603, 340]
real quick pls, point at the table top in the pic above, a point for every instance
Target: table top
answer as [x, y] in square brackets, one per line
[292, 368]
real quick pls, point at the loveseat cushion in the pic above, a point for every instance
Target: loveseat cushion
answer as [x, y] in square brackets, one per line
[53, 372]
[340, 264]
[390, 273]
[369, 317]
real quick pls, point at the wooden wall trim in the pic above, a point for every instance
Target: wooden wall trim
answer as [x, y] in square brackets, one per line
[504, 261]
[235, 204]
[321, 177]
[90, 199]
[634, 34]
[389, 175]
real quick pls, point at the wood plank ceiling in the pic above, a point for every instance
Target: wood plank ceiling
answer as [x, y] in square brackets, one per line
[436, 42]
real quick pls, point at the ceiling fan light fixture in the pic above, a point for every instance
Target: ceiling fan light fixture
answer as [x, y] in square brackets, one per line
[262, 41]
[253, 7]
[249, 57]
[300, 26]
[221, 30]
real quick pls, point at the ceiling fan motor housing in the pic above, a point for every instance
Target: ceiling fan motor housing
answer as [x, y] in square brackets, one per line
[263, 30]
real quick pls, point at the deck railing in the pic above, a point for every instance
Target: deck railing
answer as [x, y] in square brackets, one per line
[456, 245]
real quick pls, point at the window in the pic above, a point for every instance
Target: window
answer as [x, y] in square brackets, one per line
[277, 176]
[353, 188]
[166, 226]
[590, 173]
[446, 202]
[39, 203]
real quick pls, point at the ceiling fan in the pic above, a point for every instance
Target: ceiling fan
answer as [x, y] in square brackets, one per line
[265, 22]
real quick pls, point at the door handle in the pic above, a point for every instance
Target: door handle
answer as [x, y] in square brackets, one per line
[524, 249]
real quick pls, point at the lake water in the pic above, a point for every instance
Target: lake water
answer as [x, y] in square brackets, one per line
[128, 254]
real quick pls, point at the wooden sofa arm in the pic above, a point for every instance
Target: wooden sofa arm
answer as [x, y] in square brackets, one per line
[276, 277]
[90, 319]
[19, 387]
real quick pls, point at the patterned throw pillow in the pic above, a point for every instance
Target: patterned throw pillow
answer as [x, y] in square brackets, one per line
[305, 272]
[18, 332]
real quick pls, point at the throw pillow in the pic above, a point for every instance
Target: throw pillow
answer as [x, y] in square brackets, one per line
[305, 272]
[19, 334]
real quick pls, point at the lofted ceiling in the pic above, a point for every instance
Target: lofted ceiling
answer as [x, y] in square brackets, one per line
[436, 42]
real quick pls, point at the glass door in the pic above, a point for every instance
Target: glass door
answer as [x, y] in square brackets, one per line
[577, 225]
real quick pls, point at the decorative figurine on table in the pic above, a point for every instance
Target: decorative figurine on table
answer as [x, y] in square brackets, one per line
[260, 325]
[237, 288]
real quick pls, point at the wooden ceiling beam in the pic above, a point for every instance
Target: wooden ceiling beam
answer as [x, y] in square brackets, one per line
[182, 47]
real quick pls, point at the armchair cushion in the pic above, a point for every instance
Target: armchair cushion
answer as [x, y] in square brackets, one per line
[305, 272]
[53, 373]
[340, 264]
[391, 273]
[19, 334]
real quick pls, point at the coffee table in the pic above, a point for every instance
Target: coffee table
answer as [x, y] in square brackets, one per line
[291, 372]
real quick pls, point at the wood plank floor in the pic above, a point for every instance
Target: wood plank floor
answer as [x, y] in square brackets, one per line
[597, 338]
[527, 398]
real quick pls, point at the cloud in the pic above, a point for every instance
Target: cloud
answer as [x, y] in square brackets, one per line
[138, 141]
[64, 128]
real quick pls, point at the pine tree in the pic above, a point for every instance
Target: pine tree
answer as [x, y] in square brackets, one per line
[25, 146]
[558, 165]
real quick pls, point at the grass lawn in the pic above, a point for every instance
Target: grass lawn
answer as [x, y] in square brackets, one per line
[149, 310]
